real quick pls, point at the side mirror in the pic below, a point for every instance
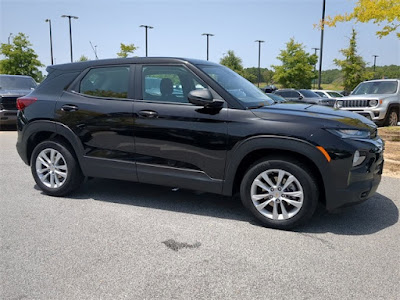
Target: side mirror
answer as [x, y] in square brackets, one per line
[300, 97]
[203, 97]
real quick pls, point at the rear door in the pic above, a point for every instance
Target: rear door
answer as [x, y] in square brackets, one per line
[98, 108]
[177, 143]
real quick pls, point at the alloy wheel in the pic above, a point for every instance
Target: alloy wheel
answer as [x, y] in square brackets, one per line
[277, 194]
[51, 168]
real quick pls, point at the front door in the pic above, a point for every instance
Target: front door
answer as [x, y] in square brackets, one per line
[177, 143]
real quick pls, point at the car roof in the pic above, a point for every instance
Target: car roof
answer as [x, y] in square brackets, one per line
[130, 60]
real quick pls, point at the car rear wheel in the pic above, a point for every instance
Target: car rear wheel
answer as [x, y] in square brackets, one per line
[55, 169]
[279, 192]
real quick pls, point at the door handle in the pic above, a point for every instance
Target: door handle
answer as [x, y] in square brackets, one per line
[148, 114]
[69, 107]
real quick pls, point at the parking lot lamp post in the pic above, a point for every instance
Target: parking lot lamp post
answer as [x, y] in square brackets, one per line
[321, 45]
[259, 58]
[70, 31]
[9, 37]
[208, 42]
[315, 66]
[51, 41]
[375, 56]
[146, 27]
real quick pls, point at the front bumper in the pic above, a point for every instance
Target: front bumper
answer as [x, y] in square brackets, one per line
[8, 117]
[361, 182]
[376, 114]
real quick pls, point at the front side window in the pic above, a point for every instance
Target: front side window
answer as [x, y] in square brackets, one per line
[108, 82]
[169, 83]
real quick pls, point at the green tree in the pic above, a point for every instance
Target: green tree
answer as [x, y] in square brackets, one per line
[297, 69]
[126, 49]
[353, 67]
[232, 61]
[83, 58]
[20, 58]
[384, 13]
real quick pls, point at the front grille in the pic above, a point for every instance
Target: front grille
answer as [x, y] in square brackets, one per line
[9, 103]
[355, 103]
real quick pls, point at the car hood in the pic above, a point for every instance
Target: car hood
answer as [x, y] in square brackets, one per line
[14, 92]
[322, 116]
[366, 96]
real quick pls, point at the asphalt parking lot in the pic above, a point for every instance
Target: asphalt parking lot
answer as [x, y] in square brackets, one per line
[122, 240]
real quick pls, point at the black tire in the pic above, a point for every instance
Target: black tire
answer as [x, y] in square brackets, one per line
[392, 117]
[305, 183]
[74, 176]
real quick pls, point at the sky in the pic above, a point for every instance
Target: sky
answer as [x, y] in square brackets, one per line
[178, 27]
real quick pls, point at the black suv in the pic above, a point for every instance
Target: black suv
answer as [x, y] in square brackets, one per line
[196, 125]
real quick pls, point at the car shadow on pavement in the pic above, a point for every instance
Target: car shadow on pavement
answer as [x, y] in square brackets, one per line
[375, 214]
[372, 216]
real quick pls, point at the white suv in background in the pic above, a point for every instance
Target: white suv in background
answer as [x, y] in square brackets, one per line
[378, 100]
[328, 94]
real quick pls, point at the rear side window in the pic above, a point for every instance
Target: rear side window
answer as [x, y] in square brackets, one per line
[109, 82]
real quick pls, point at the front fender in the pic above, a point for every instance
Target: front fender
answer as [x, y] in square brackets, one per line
[267, 142]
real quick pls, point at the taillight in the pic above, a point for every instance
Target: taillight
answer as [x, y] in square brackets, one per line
[25, 102]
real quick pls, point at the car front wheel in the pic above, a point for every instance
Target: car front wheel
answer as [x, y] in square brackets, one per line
[280, 192]
[55, 169]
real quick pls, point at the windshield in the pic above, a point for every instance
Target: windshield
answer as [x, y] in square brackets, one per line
[321, 94]
[237, 86]
[309, 94]
[376, 87]
[16, 83]
[335, 94]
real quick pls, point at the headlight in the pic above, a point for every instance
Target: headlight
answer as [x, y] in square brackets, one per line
[339, 103]
[351, 133]
[373, 103]
[358, 158]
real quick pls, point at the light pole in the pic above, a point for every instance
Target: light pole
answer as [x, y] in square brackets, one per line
[70, 31]
[9, 38]
[375, 56]
[51, 41]
[322, 44]
[146, 27]
[315, 66]
[208, 42]
[259, 58]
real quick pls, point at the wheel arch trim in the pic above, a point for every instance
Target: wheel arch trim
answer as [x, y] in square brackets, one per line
[270, 142]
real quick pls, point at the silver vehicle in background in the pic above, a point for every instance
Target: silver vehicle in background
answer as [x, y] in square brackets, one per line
[328, 94]
[11, 88]
[377, 100]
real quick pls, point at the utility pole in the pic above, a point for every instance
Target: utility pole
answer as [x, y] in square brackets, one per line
[146, 27]
[259, 59]
[51, 41]
[94, 49]
[322, 44]
[70, 31]
[315, 66]
[208, 42]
